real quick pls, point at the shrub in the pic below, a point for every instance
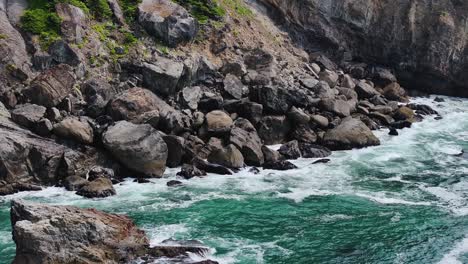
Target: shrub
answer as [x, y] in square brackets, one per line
[203, 10]
[37, 21]
[129, 8]
[100, 9]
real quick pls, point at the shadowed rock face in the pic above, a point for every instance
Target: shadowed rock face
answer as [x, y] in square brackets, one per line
[424, 40]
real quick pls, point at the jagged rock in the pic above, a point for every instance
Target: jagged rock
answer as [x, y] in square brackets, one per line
[73, 22]
[393, 91]
[189, 171]
[191, 96]
[75, 129]
[167, 20]
[130, 104]
[211, 168]
[323, 90]
[261, 66]
[233, 86]
[218, 122]
[43, 127]
[323, 61]
[173, 121]
[163, 76]
[202, 70]
[280, 165]
[383, 77]
[340, 107]
[138, 147]
[401, 124]
[383, 109]
[236, 68]
[271, 156]
[290, 150]
[348, 82]
[229, 156]
[393, 131]
[100, 172]
[319, 120]
[351, 133]
[61, 52]
[51, 86]
[99, 188]
[66, 234]
[329, 77]
[273, 129]
[251, 111]
[244, 136]
[423, 109]
[97, 93]
[210, 102]
[404, 113]
[298, 116]
[272, 98]
[313, 151]
[383, 119]
[173, 183]
[74, 183]
[304, 133]
[175, 146]
[309, 83]
[364, 90]
[117, 11]
[28, 115]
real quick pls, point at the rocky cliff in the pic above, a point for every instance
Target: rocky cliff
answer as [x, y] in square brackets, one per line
[425, 41]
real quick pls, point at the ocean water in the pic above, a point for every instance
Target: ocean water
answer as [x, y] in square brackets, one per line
[405, 201]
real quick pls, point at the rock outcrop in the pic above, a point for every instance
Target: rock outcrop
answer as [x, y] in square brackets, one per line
[351, 133]
[424, 41]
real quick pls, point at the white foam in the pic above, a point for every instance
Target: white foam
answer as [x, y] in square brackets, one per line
[164, 232]
[379, 198]
[452, 257]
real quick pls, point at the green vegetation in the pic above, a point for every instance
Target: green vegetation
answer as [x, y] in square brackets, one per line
[99, 9]
[203, 10]
[239, 7]
[3, 36]
[129, 8]
[37, 21]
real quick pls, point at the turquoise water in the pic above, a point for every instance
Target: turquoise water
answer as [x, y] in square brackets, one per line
[405, 201]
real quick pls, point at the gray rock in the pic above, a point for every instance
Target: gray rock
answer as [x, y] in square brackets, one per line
[364, 90]
[340, 107]
[163, 76]
[28, 115]
[304, 133]
[74, 183]
[236, 68]
[97, 92]
[290, 150]
[233, 86]
[191, 96]
[329, 77]
[271, 156]
[175, 146]
[52, 86]
[117, 11]
[244, 136]
[66, 234]
[321, 121]
[138, 147]
[218, 122]
[323, 90]
[75, 129]
[251, 111]
[73, 26]
[98, 188]
[351, 133]
[273, 129]
[313, 151]
[43, 127]
[298, 116]
[167, 20]
[229, 156]
[130, 104]
[61, 52]
[348, 82]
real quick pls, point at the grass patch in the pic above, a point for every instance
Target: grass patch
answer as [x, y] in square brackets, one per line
[203, 10]
[130, 9]
[239, 7]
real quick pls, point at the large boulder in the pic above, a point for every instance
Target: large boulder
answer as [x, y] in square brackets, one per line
[97, 92]
[52, 86]
[132, 103]
[244, 136]
[28, 115]
[167, 20]
[66, 234]
[75, 129]
[228, 156]
[350, 133]
[139, 147]
[273, 129]
[163, 76]
[218, 122]
[99, 188]
[73, 22]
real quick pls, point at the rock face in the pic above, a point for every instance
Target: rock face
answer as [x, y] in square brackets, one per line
[51, 86]
[425, 42]
[66, 234]
[73, 128]
[351, 133]
[139, 147]
[167, 20]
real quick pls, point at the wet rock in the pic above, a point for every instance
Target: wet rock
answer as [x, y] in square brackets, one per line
[218, 122]
[100, 172]
[173, 183]
[229, 156]
[321, 161]
[280, 165]
[175, 146]
[50, 87]
[423, 109]
[138, 147]
[393, 91]
[401, 124]
[364, 90]
[244, 136]
[439, 100]
[28, 115]
[273, 129]
[167, 20]
[290, 150]
[99, 188]
[393, 131]
[74, 183]
[313, 151]
[189, 171]
[271, 155]
[163, 76]
[254, 170]
[351, 133]
[404, 113]
[74, 129]
[42, 232]
[210, 167]
[233, 86]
